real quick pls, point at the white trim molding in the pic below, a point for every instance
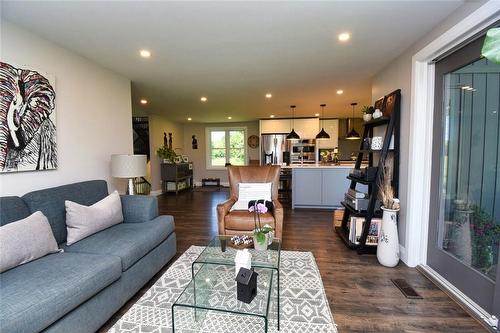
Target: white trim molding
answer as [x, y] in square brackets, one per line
[468, 304]
[421, 121]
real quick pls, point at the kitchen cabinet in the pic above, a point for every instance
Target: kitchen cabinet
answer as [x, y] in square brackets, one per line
[320, 186]
[331, 127]
[306, 128]
[306, 184]
[275, 126]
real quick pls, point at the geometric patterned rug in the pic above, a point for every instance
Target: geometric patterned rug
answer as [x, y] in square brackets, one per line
[303, 303]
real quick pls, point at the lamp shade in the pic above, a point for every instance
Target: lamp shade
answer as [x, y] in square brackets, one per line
[128, 166]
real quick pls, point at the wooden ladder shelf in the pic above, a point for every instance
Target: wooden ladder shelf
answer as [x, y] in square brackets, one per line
[390, 105]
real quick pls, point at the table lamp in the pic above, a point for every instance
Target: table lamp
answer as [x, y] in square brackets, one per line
[128, 166]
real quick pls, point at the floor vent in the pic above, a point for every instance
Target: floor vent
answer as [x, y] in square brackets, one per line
[406, 289]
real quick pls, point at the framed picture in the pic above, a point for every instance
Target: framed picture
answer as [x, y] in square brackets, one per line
[379, 104]
[374, 232]
[391, 101]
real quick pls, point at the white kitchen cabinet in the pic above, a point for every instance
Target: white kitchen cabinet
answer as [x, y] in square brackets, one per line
[306, 128]
[331, 127]
[275, 126]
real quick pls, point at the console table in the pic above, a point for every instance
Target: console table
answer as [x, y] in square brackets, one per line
[176, 177]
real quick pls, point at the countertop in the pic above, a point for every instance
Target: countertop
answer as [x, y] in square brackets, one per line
[318, 166]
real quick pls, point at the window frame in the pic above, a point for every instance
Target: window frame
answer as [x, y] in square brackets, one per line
[209, 130]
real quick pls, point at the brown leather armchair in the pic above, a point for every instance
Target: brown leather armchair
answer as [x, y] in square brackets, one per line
[239, 222]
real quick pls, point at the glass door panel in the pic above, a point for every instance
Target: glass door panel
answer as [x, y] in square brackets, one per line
[464, 233]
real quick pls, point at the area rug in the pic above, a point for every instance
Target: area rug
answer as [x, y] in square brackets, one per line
[304, 306]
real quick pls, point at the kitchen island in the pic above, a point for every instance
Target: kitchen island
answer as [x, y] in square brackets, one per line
[320, 185]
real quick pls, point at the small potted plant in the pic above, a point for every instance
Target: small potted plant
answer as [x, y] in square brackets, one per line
[367, 112]
[168, 155]
[260, 234]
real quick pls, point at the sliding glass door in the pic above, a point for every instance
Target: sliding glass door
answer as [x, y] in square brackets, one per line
[464, 233]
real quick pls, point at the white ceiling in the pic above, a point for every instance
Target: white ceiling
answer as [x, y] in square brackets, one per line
[235, 52]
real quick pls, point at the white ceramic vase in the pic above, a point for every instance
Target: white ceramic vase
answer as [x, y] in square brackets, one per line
[388, 241]
[367, 116]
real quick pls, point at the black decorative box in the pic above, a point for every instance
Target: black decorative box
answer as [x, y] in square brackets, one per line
[246, 285]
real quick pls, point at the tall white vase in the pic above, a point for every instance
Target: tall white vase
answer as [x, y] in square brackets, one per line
[388, 241]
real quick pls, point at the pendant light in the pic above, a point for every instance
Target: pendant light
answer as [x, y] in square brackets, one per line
[292, 135]
[353, 135]
[322, 134]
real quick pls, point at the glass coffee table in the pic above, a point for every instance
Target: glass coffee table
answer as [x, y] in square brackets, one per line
[212, 285]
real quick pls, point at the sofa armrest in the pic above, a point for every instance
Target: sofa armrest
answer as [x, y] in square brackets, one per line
[278, 218]
[222, 210]
[139, 208]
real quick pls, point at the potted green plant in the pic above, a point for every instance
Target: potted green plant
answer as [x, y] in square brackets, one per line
[168, 155]
[367, 112]
[260, 234]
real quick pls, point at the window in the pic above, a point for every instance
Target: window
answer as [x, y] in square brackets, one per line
[226, 145]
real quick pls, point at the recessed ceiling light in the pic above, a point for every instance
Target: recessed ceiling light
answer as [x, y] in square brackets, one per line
[269, 95]
[316, 114]
[344, 37]
[203, 99]
[189, 119]
[229, 118]
[340, 92]
[145, 53]
[144, 101]
[272, 116]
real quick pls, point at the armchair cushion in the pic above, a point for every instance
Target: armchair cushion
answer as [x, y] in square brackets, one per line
[139, 208]
[243, 220]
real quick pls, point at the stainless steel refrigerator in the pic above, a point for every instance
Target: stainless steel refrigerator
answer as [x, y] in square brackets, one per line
[275, 149]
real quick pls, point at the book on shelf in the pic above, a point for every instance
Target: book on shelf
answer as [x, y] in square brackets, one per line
[356, 229]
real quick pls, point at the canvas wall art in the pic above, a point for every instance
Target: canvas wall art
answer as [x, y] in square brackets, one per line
[27, 120]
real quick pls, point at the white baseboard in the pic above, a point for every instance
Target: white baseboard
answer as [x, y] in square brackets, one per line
[198, 184]
[155, 193]
[403, 255]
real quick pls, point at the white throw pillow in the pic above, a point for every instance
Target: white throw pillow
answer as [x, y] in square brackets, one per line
[83, 221]
[25, 240]
[251, 191]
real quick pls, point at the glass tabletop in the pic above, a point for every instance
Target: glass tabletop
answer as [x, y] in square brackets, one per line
[220, 250]
[214, 288]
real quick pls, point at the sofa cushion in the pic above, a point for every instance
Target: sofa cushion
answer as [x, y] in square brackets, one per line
[12, 209]
[83, 221]
[25, 240]
[37, 294]
[244, 220]
[129, 241]
[51, 202]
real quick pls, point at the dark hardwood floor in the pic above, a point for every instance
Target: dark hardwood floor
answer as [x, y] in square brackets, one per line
[361, 295]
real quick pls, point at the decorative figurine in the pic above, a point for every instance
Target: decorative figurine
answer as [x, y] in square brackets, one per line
[170, 140]
[377, 114]
[246, 285]
[194, 143]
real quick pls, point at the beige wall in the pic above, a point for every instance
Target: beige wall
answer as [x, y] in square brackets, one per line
[93, 113]
[198, 156]
[397, 75]
[158, 125]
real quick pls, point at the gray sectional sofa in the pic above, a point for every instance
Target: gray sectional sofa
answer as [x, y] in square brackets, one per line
[79, 289]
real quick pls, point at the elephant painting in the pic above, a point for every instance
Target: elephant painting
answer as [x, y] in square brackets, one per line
[27, 121]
